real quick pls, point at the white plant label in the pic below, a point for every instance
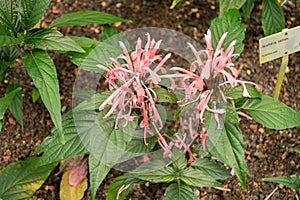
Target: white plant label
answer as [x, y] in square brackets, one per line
[279, 44]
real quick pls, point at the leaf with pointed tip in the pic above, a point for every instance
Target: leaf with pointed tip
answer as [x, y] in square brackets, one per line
[272, 17]
[289, 181]
[165, 96]
[41, 69]
[210, 168]
[32, 12]
[52, 147]
[117, 183]
[98, 172]
[6, 40]
[197, 178]
[226, 144]
[85, 18]
[51, 40]
[247, 8]
[179, 191]
[16, 104]
[231, 4]
[6, 101]
[19, 180]
[272, 113]
[229, 21]
[297, 150]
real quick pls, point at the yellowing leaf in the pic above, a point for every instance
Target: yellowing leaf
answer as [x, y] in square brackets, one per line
[68, 192]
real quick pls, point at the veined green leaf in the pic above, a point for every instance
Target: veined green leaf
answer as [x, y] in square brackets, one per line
[237, 92]
[8, 16]
[117, 183]
[229, 21]
[84, 18]
[32, 12]
[272, 113]
[165, 96]
[231, 4]
[195, 177]
[155, 171]
[178, 159]
[6, 40]
[272, 17]
[211, 168]
[16, 104]
[52, 147]
[19, 180]
[247, 8]
[101, 54]
[226, 144]
[6, 101]
[98, 172]
[51, 40]
[43, 73]
[179, 191]
[289, 181]
[112, 37]
[84, 42]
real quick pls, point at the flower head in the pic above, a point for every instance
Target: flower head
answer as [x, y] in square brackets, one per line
[131, 76]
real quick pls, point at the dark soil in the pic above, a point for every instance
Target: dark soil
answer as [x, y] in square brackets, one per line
[268, 151]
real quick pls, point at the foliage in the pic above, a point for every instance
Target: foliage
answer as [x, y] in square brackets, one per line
[128, 122]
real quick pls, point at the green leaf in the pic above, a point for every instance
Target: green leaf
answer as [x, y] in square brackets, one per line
[247, 8]
[101, 138]
[117, 183]
[237, 92]
[226, 5]
[98, 172]
[41, 69]
[178, 159]
[10, 41]
[52, 147]
[107, 33]
[211, 168]
[84, 42]
[16, 105]
[19, 180]
[155, 171]
[112, 37]
[272, 113]
[32, 12]
[101, 54]
[289, 181]
[195, 177]
[272, 17]
[229, 21]
[179, 191]
[227, 144]
[165, 96]
[84, 18]
[51, 40]
[174, 3]
[8, 55]
[297, 150]
[6, 101]
[35, 95]
[8, 15]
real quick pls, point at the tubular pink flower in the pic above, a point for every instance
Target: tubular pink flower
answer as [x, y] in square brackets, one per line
[130, 76]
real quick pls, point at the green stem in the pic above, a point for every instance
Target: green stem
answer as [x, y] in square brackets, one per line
[284, 64]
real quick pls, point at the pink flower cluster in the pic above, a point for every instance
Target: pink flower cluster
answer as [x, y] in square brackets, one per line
[131, 77]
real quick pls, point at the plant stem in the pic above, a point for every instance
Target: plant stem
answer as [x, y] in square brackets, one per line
[284, 64]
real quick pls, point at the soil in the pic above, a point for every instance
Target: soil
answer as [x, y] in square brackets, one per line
[268, 151]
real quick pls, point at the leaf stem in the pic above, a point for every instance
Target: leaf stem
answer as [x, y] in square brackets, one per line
[284, 64]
